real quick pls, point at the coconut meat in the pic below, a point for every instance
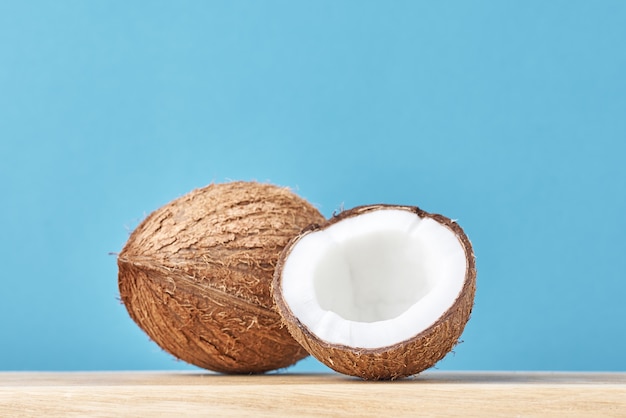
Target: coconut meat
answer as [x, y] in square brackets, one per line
[374, 280]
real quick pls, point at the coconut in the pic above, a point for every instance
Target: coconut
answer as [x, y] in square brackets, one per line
[379, 292]
[195, 275]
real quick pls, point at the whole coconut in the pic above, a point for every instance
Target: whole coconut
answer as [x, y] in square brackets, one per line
[195, 275]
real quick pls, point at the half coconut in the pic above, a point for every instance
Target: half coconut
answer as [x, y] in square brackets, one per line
[378, 292]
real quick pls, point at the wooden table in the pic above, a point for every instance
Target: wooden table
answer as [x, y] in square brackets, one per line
[178, 394]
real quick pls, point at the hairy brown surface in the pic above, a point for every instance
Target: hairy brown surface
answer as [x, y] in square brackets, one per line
[195, 275]
[401, 360]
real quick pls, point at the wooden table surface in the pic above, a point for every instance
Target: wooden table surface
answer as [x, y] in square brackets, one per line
[179, 394]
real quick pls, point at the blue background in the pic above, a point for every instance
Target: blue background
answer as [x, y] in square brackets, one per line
[508, 116]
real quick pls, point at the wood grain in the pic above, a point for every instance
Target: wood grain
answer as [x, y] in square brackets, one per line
[167, 394]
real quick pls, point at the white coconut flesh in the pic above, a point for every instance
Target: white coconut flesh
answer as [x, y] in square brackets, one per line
[374, 280]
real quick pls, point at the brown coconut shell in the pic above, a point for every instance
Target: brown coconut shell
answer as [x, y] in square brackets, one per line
[195, 275]
[400, 360]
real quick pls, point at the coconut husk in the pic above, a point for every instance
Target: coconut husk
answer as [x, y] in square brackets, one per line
[195, 275]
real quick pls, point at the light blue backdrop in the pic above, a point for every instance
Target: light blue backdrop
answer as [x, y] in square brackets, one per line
[508, 116]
